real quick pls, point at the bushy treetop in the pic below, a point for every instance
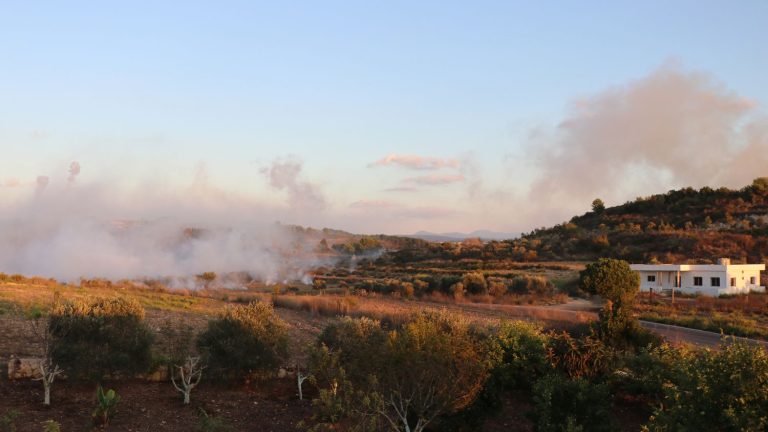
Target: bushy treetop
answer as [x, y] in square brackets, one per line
[612, 279]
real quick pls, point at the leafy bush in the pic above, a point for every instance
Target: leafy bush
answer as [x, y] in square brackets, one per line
[51, 426]
[359, 343]
[208, 423]
[523, 354]
[725, 390]
[568, 405]
[94, 338]
[531, 285]
[246, 339]
[475, 283]
[587, 357]
[651, 372]
[8, 421]
[431, 366]
[106, 406]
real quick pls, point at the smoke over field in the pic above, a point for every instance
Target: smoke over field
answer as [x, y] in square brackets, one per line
[73, 229]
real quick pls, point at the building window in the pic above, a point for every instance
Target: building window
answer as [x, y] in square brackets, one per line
[715, 281]
[752, 280]
[698, 281]
[733, 282]
[651, 278]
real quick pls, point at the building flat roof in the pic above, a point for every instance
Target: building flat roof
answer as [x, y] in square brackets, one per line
[693, 267]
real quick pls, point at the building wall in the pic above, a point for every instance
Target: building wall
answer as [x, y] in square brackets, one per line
[742, 274]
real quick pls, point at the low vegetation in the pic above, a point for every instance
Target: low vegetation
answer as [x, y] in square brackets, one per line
[358, 358]
[244, 340]
[100, 337]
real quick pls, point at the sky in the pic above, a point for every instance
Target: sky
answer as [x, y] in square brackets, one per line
[378, 117]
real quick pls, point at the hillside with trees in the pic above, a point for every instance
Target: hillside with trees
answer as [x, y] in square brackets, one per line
[685, 225]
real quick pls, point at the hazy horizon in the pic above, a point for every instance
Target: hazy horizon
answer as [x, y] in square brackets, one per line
[389, 118]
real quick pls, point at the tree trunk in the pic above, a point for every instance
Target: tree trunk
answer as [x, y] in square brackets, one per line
[186, 397]
[47, 399]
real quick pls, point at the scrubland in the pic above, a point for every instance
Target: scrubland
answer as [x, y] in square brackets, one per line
[455, 347]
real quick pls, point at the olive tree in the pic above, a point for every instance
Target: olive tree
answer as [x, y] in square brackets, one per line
[100, 336]
[434, 366]
[244, 340]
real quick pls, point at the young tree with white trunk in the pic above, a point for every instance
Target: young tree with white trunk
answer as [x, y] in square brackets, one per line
[300, 378]
[49, 369]
[190, 375]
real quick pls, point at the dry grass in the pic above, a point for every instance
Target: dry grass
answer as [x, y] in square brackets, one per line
[393, 311]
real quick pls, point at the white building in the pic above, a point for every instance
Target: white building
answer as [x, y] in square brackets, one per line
[705, 279]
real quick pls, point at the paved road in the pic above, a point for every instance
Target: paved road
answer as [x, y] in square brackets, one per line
[704, 338]
[580, 310]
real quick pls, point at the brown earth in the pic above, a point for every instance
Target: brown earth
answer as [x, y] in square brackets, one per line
[265, 406]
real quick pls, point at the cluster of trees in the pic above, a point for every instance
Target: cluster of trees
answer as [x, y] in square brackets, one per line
[686, 224]
[470, 283]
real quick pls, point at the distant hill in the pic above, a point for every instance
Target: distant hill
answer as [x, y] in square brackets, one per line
[685, 225]
[457, 236]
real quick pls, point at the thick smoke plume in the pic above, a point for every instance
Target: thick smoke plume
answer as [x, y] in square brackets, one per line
[670, 129]
[286, 175]
[68, 231]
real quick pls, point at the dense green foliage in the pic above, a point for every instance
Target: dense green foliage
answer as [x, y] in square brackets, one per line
[524, 355]
[431, 366]
[246, 339]
[99, 337]
[611, 279]
[570, 405]
[725, 390]
[618, 284]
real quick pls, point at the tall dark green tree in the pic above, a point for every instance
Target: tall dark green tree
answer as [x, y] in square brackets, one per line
[618, 284]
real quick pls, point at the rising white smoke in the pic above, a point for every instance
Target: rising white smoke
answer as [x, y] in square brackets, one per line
[69, 231]
[670, 129]
[74, 171]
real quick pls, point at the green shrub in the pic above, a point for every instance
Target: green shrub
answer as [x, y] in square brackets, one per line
[359, 343]
[725, 390]
[98, 337]
[531, 285]
[51, 426]
[433, 365]
[523, 354]
[569, 405]
[208, 423]
[246, 339]
[475, 283]
[8, 421]
[651, 372]
[106, 406]
[586, 357]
